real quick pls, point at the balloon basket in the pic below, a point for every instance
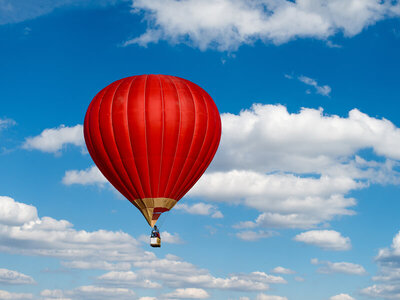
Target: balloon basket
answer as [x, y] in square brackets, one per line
[155, 242]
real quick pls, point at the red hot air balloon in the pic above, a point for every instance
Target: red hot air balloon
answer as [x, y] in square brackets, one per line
[152, 137]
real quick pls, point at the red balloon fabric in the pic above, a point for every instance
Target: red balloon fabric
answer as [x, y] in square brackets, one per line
[152, 137]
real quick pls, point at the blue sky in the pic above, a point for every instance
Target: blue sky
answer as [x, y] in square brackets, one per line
[301, 200]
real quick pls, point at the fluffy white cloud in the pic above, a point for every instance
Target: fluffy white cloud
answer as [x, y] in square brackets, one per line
[341, 297]
[115, 251]
[45, 236]
[54, 139]
[323, 90]
[91, 175]
[14, 277]
[228, 24]
[326, 239]
[268, 138]
[15, 213]
[339, 267]
[200, 209]
[287, 200]
[188, 293]
[252, 236]
[14, 296]
[262, 296]
[177, 273]
[89, 292]
[297, 168]
[282, 270]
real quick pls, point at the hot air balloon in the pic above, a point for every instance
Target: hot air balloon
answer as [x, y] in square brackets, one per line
[152, 137]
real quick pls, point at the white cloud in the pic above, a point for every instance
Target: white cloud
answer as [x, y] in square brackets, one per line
[177, 273]
[252, 236]
[282, 270]
[339, 267]
[287, 200]
[188, 293]
[14, 277]
[96, 265]
[54, 139]
[116, 251]
[382, 291]
[388, 276]
[268, 138]
[45, 236]
[15, 213]
[14, 296]
[326, 239]
[91, 175]
[90, 292]
[297, 168]
[323, 90]
[147, 298]
[200, 209]
[170, 238]
[262, 296]
[6, 123]
[341, 297]
[128, 278]
[225, 25]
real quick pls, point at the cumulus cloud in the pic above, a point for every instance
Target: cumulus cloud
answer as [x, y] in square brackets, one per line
[339, 267]
[298, 168]
[225, 25]
[14, 277]
[53, 140]
[262, 296]
[326, 239]
[188, 293]
[282, 270]
[200, 209]
[177, 273]
[118, 252]
[45, 236]
[91, 175]
[15, 213]
[15, 296]
[341, 297]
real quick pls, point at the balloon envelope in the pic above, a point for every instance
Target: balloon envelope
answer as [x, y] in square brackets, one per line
[152, 137]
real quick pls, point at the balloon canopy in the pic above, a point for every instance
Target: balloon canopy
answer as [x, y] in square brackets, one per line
[152, 137]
